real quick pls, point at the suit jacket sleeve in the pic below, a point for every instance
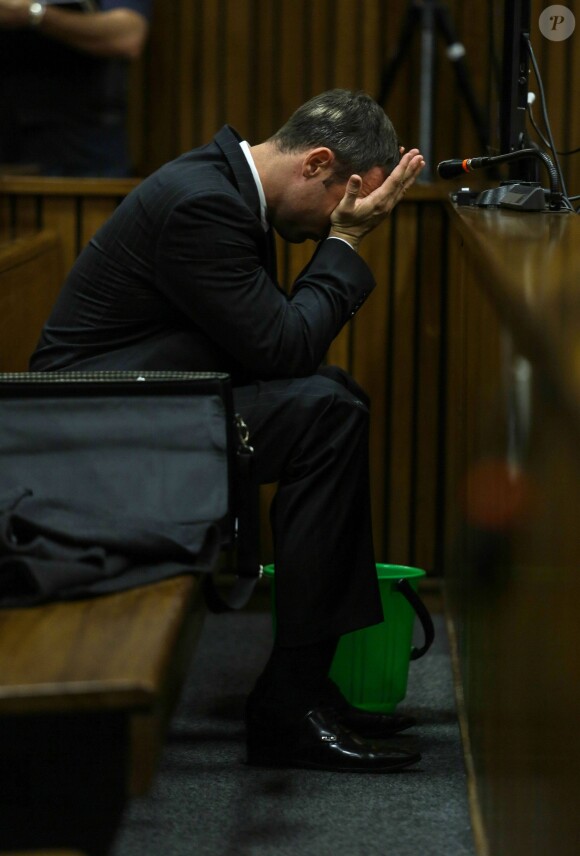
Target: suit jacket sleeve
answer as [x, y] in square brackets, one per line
[211, 264]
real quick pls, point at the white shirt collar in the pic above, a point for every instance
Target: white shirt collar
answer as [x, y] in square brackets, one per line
[245, 147]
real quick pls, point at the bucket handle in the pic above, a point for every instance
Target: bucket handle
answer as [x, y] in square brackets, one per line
[406, 589]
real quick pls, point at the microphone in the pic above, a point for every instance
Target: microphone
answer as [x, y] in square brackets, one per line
[453, 168]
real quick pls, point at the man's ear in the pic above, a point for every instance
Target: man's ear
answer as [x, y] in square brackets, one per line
[317, 162]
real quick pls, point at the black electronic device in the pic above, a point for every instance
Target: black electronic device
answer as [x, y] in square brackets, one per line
[509, 132]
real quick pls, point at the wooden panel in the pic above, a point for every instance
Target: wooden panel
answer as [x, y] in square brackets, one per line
[30, 275]
[29, 186]
[455, 436]
[61, 214]
[28, 216]
[208, 90]
[371, 364]
[50, 852]
[429, 386]
[533, 267]
[513, 548]
[92, 213]
[252, 62]
[401, 382]
[73, 208]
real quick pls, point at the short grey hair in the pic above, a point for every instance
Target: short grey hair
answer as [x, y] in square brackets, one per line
[351, 124]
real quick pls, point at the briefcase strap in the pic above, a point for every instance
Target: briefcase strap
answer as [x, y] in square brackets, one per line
[247, 567]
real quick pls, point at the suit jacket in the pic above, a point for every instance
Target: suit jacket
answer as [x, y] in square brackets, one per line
[182, 277]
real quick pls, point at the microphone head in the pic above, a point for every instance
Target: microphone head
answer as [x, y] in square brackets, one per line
[452, 168]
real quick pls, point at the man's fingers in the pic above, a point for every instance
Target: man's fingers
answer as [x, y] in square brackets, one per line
[353, 185]
[408, 162]
[408, 169]
[352, 190]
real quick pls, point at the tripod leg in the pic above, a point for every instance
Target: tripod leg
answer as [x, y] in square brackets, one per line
[456, 54]
[410, 20]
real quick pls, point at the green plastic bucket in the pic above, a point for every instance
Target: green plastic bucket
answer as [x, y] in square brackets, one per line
[371, 666]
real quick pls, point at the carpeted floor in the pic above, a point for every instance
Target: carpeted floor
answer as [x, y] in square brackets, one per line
[207, 802]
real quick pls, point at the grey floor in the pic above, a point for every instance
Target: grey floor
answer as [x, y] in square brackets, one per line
[207, 802]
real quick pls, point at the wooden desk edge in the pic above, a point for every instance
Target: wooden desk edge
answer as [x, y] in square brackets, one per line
[523, 322]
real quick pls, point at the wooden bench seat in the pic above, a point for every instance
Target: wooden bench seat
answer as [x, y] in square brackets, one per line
[86, 690]
[86, 687]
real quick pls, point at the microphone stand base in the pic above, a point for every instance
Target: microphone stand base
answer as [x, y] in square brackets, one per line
[516, 195]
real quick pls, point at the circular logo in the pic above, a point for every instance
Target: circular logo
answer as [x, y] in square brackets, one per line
[557, 23]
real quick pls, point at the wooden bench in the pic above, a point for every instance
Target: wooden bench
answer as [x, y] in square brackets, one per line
[86, 687]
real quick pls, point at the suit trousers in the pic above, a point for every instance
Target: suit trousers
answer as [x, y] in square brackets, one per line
[310, 436]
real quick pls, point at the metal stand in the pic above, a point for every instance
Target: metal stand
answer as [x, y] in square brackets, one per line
[432, 16]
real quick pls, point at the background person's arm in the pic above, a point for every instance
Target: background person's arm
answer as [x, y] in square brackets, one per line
[118, 32]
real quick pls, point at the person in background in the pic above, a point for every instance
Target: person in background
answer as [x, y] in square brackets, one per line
[63, 85]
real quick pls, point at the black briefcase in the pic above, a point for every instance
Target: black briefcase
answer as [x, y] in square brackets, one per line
[157, 451]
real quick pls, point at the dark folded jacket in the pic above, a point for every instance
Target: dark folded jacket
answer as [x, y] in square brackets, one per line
[49, 551]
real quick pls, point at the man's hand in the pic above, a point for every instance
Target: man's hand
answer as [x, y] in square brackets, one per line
[357, 215]
[14, 13]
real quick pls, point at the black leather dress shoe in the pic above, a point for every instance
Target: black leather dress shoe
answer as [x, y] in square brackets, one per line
[364, 722]
[318, 741]
[376, 725]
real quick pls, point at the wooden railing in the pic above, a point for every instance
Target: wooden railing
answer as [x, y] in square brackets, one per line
[513, 542]
[74, 208]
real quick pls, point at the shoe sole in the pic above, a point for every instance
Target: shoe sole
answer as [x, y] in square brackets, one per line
[254, 760]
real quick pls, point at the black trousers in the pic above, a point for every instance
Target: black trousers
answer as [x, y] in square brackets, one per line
[310, 435]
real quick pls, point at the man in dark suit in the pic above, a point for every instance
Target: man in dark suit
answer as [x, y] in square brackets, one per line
[183, 277]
